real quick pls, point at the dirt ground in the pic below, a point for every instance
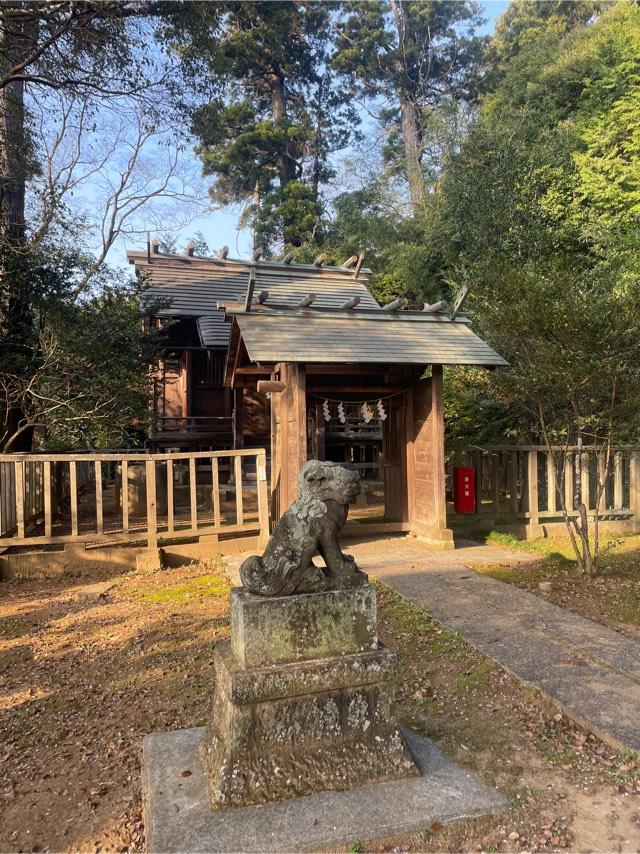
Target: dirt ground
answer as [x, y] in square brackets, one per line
[612, 598]
[88, 666]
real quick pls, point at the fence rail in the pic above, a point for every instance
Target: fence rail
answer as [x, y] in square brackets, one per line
[132, 496]
[529, 484]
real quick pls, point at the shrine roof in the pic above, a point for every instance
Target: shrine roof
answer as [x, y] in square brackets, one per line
[314, 335]
[191, 286]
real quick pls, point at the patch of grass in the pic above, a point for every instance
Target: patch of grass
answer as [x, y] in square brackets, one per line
[203, 587]
[14, 628]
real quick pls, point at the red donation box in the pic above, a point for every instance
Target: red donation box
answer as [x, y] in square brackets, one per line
[464, 489]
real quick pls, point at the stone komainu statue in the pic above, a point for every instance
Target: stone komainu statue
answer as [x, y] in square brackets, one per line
[309, 527]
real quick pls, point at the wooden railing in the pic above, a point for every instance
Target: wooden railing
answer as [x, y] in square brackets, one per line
[522, 483]
[191, 424]
[132, 496]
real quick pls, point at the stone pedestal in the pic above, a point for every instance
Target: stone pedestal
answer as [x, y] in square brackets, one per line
[302, 701]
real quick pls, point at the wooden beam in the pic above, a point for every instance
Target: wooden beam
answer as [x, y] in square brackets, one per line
[152, 514]
[305, 302]
[348, 264]
[288, 258]
[359, 262]
[223, 252]
[319, 261]
[248, 370]
[263, 296]
[271, 386]
[169, 495]
[73, 490]
[337, 390]
[190, 249]
[47, 497]
[155, 246]
[99, 516]
[249, 296]
[257, 253]
[237, 476]
[459, 302]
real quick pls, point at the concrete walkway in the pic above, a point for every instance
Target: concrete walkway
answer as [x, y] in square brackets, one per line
[592, 672]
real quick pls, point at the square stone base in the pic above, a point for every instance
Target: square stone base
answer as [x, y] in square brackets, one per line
[284, 730]
[178, 816]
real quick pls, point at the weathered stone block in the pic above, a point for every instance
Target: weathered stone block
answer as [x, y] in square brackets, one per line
[299, 628]
[301, 741]
[272, 681]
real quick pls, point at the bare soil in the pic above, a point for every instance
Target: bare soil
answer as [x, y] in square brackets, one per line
[88, 666]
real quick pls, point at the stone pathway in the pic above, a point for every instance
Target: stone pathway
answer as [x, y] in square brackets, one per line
[592, 672]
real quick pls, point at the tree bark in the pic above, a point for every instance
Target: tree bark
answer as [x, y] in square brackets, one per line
[411, 144]
[12, 135]
[408, 116]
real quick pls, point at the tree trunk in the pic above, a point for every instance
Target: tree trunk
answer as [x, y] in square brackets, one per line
[15, 284]
[12, 136]
[408, 114]
[411, 144]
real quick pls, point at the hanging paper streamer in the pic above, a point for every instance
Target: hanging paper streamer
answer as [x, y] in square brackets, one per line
[367, 414]
[268, 395]
[382, 415]
[341, 413]
[325, 411]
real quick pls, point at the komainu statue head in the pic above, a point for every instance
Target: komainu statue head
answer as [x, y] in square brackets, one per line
[320, 482]
[309, 527]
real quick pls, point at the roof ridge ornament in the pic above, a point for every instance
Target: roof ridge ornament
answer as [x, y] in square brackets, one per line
[351, 303]
[395, 305]
[434, 307]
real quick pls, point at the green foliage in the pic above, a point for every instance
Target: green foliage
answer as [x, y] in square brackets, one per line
[274, 114]
[418, 60]
[76, 369]
[539, 213]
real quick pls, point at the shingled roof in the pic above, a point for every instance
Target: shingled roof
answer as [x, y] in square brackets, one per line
[188, 286]
[312, 335]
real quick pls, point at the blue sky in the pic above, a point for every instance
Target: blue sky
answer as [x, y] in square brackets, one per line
[219, 227]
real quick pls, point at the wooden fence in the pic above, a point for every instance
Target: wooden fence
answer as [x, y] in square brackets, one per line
[522, 484]
[114, 497]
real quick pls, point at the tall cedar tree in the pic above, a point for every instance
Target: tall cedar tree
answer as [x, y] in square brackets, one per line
[412, 56]
[274, 115]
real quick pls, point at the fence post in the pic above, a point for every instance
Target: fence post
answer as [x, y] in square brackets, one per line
[532, 490]
[46, 475]
[515, 502]
[551, 482]
[618, 502]
[237, 476]
[584, 482]
[19, 472]
[634, 488]
[152, 520]
[568, 481]
[263, 498]
[495, 481]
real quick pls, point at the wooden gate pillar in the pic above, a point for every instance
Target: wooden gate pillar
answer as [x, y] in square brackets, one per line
[426, 500]
[288, 436]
